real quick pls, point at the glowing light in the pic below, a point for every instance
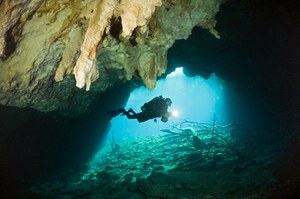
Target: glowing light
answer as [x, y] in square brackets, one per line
[178, 72]
[175, 113]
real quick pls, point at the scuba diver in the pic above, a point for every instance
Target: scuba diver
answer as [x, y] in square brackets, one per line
[157, 107]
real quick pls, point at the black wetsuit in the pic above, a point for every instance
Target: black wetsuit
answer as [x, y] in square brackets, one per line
[157, 107]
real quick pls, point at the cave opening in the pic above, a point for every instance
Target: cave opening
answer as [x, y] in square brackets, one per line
[194, 99]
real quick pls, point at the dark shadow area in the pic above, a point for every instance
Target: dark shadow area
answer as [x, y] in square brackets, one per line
[259, 53]
[11, 44]
[256, 52]
[36, 145]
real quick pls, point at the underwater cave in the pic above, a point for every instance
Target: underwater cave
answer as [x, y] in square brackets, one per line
[232, 132]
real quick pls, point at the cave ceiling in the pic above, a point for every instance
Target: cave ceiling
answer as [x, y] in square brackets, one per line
[58, 55]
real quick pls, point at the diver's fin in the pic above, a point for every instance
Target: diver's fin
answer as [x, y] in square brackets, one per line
[115, 113]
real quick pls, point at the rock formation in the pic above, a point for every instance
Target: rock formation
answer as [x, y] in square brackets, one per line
[45, 44]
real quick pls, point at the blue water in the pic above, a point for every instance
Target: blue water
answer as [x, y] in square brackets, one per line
[194, 99]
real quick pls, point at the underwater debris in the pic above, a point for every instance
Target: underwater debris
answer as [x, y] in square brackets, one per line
[186, 160]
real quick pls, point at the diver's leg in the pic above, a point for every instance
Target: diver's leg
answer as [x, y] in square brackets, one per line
[131, 111]
[115, 112]
[130, 116]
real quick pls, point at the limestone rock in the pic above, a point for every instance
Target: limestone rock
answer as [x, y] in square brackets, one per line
[72, 45]
[85, 69]
[12, 17]
[136, 13]
[43, 43]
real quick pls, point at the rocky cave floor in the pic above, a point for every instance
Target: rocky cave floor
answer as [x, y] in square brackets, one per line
[189, 160]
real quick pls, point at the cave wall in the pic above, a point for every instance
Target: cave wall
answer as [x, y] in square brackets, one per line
[35, 145]
[257, 54]
[45, 44]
